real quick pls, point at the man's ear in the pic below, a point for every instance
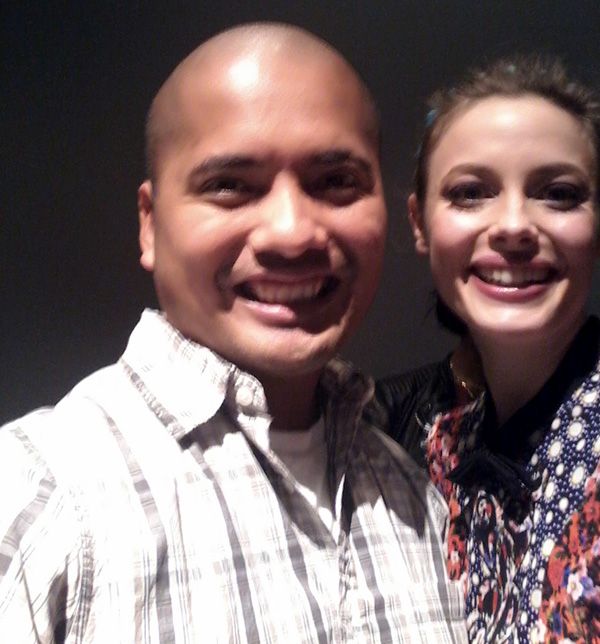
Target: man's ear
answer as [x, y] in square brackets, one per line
[146, 216]
[417, 223]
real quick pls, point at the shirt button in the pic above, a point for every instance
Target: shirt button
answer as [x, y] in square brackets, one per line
[244, 396]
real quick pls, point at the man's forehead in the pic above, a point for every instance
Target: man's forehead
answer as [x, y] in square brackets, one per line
[273, 39]
[242, 52]
[243, 67]
[270, 58]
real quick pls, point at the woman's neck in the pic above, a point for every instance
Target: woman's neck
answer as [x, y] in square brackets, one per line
[516, 371]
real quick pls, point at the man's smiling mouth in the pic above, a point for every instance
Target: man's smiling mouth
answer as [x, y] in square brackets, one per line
[276, 292]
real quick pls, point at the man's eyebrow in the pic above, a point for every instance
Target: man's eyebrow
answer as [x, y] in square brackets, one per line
[335, 157]
[223, 162]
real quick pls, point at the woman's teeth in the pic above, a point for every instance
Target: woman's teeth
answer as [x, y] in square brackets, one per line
[513, 276]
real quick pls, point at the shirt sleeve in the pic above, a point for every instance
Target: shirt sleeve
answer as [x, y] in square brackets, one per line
[40, 547]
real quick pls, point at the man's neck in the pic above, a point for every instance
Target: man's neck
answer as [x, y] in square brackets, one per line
[292, 400]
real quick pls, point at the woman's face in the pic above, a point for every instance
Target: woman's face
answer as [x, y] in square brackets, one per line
[508, 220]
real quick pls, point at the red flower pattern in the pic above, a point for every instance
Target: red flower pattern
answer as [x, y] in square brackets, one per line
[570, 610]
[571, 592]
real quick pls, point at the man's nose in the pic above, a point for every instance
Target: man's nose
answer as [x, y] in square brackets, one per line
[514, 228]
[289, 221]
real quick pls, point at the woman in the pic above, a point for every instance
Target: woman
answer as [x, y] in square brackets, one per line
[506, 207]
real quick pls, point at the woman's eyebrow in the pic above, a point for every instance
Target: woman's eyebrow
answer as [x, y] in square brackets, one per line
[555, 169]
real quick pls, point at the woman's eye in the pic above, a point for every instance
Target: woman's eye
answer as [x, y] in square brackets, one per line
[468, 195]
[563, 196]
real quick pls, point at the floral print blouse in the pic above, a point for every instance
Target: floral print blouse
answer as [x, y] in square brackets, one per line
[524, 499]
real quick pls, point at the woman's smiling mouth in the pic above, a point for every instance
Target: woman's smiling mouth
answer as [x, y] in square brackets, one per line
[514, 276]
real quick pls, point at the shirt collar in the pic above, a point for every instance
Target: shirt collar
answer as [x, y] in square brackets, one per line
[343, 393]
[185, 384]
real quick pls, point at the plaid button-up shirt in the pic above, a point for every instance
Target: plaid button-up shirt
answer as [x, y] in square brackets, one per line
[141, 510]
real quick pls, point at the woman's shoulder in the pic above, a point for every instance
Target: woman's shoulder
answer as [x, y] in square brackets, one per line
[403, 401]
[409, 384]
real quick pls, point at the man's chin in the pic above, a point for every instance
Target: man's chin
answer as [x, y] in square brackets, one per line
[282, 352]
[289, 361]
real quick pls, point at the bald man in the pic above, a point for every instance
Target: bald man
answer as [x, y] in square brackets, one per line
[217, 483]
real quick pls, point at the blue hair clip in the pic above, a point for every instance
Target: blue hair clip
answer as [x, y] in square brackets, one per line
[430, 117]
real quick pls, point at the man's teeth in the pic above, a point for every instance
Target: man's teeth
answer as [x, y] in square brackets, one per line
[513, 276]
[286, 293]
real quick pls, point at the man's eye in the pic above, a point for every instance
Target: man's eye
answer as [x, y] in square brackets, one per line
[336, 181]
[227, 192]
[341, 180]
[341, 188]
[225, 186]
[469, 194]
[563, 195]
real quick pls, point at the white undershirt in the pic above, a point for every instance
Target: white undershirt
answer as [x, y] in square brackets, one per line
[304, 453]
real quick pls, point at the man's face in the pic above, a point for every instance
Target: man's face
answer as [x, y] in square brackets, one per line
[265, 228]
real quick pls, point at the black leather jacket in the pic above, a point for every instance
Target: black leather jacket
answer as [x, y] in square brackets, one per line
[405, 402]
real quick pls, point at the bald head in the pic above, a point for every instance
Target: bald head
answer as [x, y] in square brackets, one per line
[240, 56]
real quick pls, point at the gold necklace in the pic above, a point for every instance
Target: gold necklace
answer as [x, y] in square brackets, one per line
[466, 369]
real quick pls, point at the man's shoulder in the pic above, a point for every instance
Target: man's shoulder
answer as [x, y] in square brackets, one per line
[406, 484]
[48, 434]
[405, 463]
[84, 398]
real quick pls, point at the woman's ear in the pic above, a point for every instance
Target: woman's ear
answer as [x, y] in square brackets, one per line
[417, 223]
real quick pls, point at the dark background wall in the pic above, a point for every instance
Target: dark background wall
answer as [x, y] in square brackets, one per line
[76, 80]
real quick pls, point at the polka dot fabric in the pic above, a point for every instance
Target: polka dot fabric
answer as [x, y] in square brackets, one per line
[567, 457]
[531, 575]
